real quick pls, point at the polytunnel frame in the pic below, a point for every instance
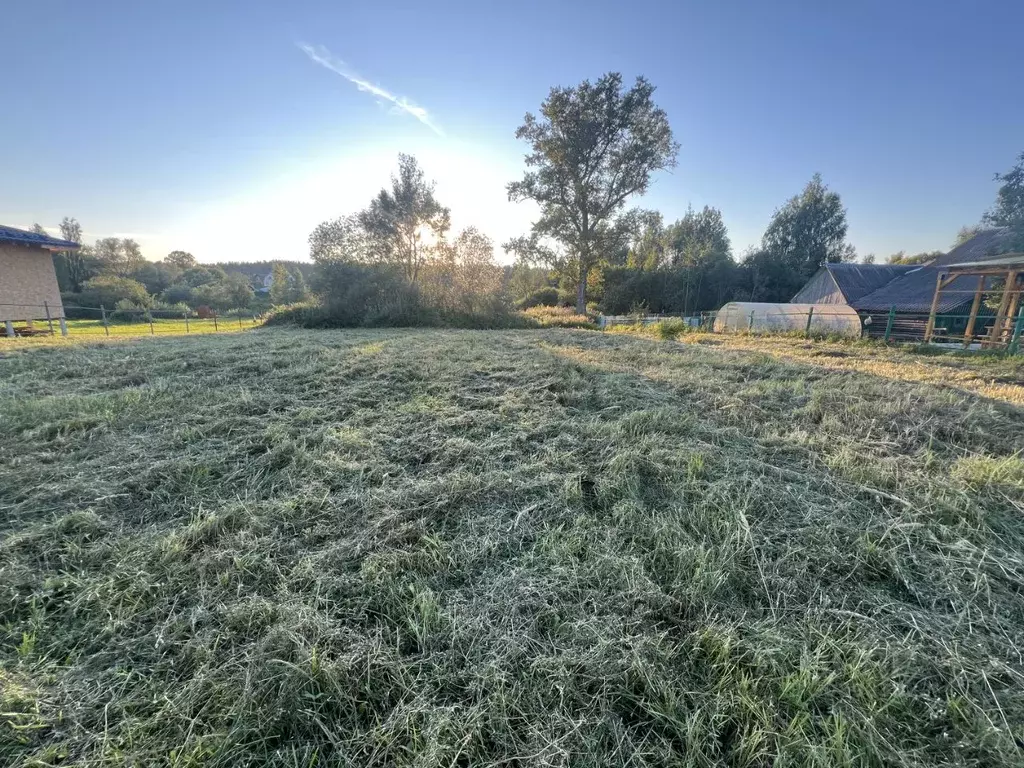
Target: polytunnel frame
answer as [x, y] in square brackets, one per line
[768, 317]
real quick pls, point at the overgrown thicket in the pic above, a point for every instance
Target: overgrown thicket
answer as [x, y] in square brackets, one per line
[380, 548]
[394, 263]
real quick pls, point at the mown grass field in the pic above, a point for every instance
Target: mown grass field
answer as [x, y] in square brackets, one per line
[522, 548]
[161, 325]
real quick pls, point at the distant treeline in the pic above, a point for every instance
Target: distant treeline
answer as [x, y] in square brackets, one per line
[113, 274]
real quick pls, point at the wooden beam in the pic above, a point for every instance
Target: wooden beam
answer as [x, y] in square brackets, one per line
[1011, 289]
[975, 305]
[999, 326]
[930, 328]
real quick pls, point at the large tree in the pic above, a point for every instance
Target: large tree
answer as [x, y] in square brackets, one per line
[593, 147]
[280, 284]
[697, 237]
[698, 247]
[645, 246]
[806, 232]
[1009, 208]
[403, 224]
[118, 256]
[341, 240]
[465, 275]
[181, 259]
[77, 264]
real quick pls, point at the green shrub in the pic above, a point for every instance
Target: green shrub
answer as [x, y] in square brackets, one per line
[314, 314]
[670, 329]
[358, 296]
[560, 317]
[107, 291]
[543, 297]
[308, 314]
[126, 311]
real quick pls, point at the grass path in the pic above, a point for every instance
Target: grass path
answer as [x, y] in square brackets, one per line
[542, 548]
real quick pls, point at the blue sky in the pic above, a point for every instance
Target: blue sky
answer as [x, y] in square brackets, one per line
[207, 126]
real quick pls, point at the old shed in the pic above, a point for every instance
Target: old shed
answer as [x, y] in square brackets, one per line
[28, 281]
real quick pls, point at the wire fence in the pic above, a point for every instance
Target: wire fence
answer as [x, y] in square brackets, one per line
[30, 320]
[892, 326]
[947, 329]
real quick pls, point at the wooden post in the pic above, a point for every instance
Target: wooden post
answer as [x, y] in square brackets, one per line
[49, 320]
[750, 323]
[1018, 328]
[9, 326]
[186, 321]
[1011, 284]
[63, 326]
[215, 329]
[239, 322]
[975, 305]
[889, 323]
[149, 314]
[103, 314]
[807, 328]
[999, 326]
[930, 328]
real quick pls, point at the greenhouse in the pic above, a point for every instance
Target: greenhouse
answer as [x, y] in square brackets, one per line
[756, 317]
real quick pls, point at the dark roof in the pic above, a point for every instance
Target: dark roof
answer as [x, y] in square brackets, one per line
[914, 290]
[857, 280]
[23, 237]
[1009, 260]
[983, 245]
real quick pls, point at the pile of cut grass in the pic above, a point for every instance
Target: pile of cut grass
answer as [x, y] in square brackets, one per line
[456, 548]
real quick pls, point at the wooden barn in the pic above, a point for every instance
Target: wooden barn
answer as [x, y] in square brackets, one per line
[900, 297]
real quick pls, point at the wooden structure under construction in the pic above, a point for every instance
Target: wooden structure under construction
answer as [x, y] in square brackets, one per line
[1000, 280]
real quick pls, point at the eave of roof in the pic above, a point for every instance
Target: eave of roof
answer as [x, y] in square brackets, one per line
[24, 237]
[1009, 260]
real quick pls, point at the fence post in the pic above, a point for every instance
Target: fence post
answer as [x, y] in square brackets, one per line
[750, 322]
[150, 316]
[807, 329]
[49, 320]
[889, 322]
[239, 322]
[215, 328]
[186, 321]
[1018, 329]
[103, 313]
[10, 328]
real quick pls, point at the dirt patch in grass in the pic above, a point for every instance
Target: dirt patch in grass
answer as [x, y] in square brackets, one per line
[458, 548]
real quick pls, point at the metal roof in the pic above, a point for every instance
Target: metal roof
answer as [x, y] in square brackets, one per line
[856, 280]
[1003, 261]
[24, 237]
[914, 291]
[984, 245]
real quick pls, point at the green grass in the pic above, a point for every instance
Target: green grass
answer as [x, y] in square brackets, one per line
[161, 325]
[520, 548]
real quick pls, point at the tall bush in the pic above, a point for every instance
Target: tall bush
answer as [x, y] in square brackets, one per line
[108, 290]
